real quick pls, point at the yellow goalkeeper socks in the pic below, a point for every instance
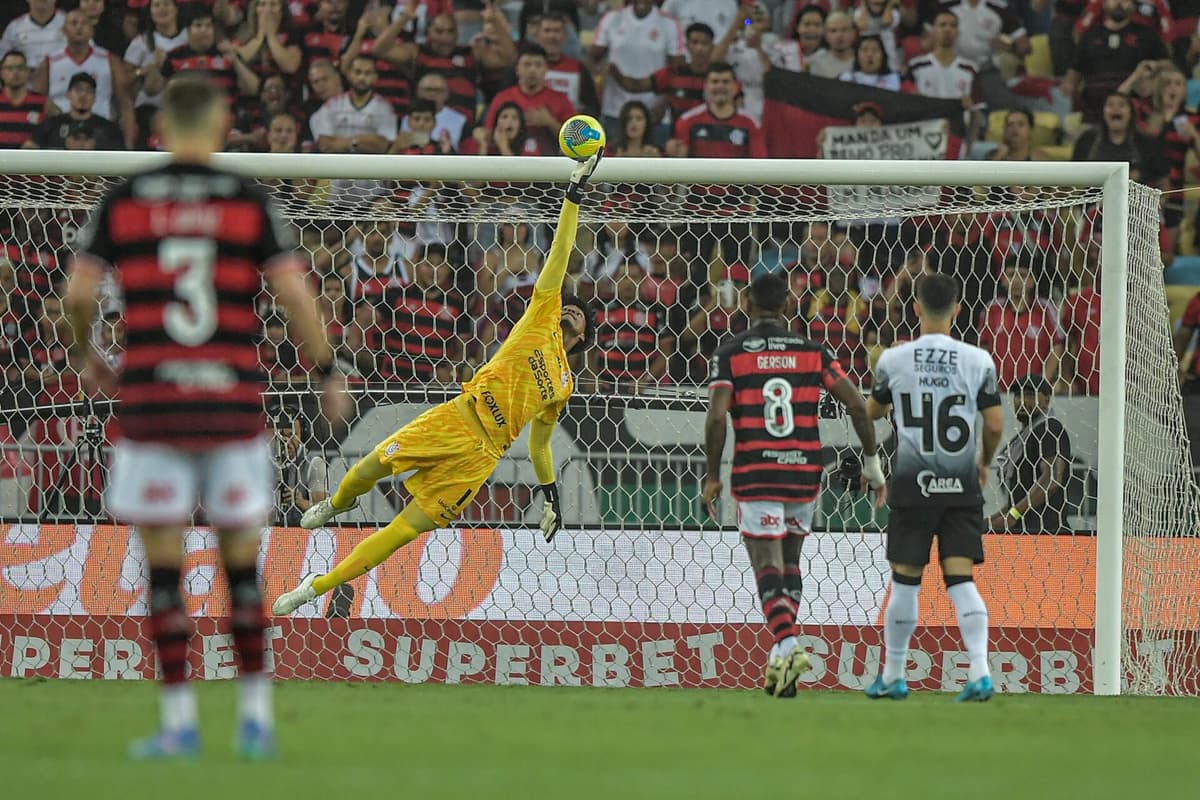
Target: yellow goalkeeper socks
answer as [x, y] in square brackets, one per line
[358, 481]
[367, 554]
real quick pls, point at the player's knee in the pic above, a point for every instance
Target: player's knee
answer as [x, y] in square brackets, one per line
[955, 580]
[906, 580]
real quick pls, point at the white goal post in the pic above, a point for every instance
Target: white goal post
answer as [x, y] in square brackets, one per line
[1121, 229]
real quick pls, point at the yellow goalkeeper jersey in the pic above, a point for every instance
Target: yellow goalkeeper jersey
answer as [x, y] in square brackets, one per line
[529, 375]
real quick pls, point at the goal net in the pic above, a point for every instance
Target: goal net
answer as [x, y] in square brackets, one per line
[423, 273]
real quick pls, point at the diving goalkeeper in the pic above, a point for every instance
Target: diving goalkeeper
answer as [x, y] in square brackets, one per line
[454, 447]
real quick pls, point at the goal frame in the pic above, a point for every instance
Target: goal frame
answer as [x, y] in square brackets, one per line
[1110, 177]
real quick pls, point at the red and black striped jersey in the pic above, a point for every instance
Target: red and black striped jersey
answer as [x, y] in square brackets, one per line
[461, 74]
[683, 88]
[709, 136]
[776, 378]
[417, 331]
[627, 339]
[319, 43]
[218, 66]
[391, 83]
[189, 246]
[17, 120]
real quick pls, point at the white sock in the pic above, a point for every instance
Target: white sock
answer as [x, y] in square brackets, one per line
[254, 699]
[178, 707]
[973, 623]
[787, 646]
[899, 622]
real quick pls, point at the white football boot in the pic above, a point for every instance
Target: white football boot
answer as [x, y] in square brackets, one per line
[320, 513]
[288, 602]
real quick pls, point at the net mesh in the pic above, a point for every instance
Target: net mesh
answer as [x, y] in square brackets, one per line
[421, 281]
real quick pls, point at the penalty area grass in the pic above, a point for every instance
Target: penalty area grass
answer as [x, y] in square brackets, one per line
[65, 738]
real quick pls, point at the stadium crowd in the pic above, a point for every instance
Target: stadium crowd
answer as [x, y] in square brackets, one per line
[428, 301]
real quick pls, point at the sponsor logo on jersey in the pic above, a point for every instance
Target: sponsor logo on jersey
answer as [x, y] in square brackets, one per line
[391, 449]
[754, 345]
[931, 484]
[493, 408]
[786, 456]
[541, 375]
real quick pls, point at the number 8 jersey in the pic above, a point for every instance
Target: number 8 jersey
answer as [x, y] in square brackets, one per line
[776, 378]
[936, 386]
[189, 246]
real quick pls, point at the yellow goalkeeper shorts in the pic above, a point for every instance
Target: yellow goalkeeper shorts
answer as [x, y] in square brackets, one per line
[451, 458]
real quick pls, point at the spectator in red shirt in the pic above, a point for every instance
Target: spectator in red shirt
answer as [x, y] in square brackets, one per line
[717, 129]
[545, 109]
[563, 73]
[441, 53]
[1189, 371]
[328, 32]
[422, 325]
[20, 109]
[1081, 322]
[1019, 329]
[632, 340]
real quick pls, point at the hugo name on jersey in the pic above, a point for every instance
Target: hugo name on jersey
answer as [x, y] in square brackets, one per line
[936, 386]
[776, 378]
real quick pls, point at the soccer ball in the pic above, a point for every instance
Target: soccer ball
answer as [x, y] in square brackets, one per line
[580, 137]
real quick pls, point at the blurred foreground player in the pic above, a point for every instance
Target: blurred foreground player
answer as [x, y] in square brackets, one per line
[936, 388]
[769, 380]
[190, 246]
[455, 446]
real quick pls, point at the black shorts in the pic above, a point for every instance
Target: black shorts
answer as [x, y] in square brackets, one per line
[910, 532]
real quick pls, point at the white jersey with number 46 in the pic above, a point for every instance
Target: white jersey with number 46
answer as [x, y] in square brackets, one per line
[936, 386]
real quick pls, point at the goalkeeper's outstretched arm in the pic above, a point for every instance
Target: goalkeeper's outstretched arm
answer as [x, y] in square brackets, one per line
[555, 269]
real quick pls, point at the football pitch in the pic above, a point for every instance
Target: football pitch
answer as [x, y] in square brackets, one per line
[61, 739]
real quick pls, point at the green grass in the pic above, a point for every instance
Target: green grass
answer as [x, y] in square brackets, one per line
[61, 739]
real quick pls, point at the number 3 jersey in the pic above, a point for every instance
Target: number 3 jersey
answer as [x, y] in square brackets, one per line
[189, 246]
[936, 386]
[776, 378]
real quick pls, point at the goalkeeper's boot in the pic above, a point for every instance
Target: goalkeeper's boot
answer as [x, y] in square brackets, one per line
[979, 691]
[255, 741]
[896, 690]
[288, 602]
[795, 664]
[320, 513]
[167, 744]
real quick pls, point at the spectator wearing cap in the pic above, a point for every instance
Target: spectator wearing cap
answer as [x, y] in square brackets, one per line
[1034, 464]
[871, 66]
[52, 133]
[56, 74]
[838, 55]
[20, 109]
[545, 109]
[632, 337]
[640, 40]
[36, 34]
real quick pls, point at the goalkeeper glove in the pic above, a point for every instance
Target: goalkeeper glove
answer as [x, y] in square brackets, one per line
[872, 470]
[580, 175]
[551, 511]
